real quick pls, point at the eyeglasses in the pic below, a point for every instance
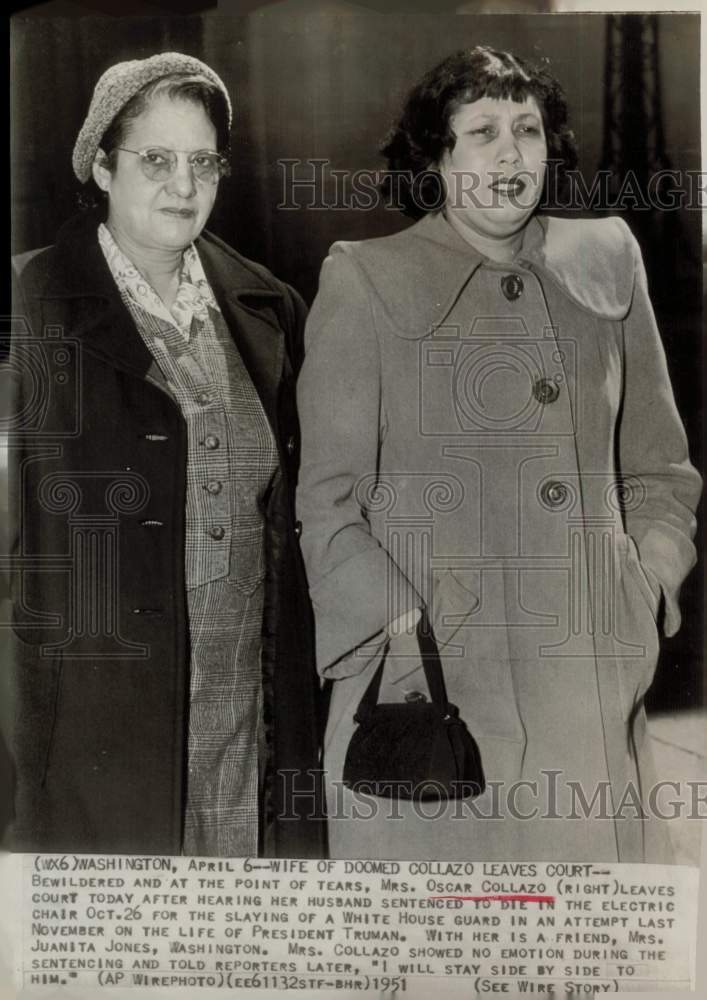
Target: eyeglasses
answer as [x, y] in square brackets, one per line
[158, 164]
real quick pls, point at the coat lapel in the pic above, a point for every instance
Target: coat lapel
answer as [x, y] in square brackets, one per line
[420, 273]
[96, 314]
[250, 307]
[94, 311]
[579, 256]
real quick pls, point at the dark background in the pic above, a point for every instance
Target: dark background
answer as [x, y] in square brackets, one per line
[328, 86]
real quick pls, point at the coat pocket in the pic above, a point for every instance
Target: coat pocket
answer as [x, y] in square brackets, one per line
[649, 592]
[451, 605]
[240, 559]
[635, 625]
[248, 559]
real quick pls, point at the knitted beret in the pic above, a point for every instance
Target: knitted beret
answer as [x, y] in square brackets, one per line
[118, 85]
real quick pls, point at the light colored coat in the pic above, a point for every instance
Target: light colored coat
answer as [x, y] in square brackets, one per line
[501, 444]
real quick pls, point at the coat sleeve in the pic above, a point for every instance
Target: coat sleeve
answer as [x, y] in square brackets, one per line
[355, 586]
[653, 451]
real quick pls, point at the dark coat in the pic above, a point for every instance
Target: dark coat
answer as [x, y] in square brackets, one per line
[101, 671]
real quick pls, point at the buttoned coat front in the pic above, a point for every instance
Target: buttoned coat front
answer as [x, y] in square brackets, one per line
[100, 676]
[500, 444]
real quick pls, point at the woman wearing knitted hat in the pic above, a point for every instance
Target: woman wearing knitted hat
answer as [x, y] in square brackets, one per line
[164, 678]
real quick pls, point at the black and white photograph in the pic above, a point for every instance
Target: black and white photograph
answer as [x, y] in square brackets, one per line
[351, 470]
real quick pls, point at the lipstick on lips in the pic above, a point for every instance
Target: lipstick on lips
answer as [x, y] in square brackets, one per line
[509, 185]
[509, 191]
[183, 213]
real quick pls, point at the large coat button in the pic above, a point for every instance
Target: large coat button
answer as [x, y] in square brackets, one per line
[211, 442]
[217, 532]
[546, 391]
[512, 286]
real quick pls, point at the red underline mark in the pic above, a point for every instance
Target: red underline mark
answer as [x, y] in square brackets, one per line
[513, 897]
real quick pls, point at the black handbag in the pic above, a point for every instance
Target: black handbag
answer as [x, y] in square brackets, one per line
[413, 750]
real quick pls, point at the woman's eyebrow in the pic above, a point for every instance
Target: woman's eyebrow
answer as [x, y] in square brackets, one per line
[493, 116]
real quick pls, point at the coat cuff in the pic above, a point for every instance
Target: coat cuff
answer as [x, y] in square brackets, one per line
[353, 606]
[669, 555]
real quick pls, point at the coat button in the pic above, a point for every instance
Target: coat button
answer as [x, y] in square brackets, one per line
[512, 286]
[290, 446]
[415, 696]
[213, 486]
[546, 391]
[298, 528]
[204, 398]
[211, 442]
[217, 532]
[554, 494]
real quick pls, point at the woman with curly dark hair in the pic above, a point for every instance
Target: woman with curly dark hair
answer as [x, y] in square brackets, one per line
[491, 445]
[424, 134]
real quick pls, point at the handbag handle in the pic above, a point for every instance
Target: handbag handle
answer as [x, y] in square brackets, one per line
[431, 663]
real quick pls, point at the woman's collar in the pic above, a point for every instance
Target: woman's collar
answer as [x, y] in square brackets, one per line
[420, 272]
[591, 260]
[499, 250]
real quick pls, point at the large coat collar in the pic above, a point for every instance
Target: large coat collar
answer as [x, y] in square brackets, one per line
[79, 282]
[419, 273]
